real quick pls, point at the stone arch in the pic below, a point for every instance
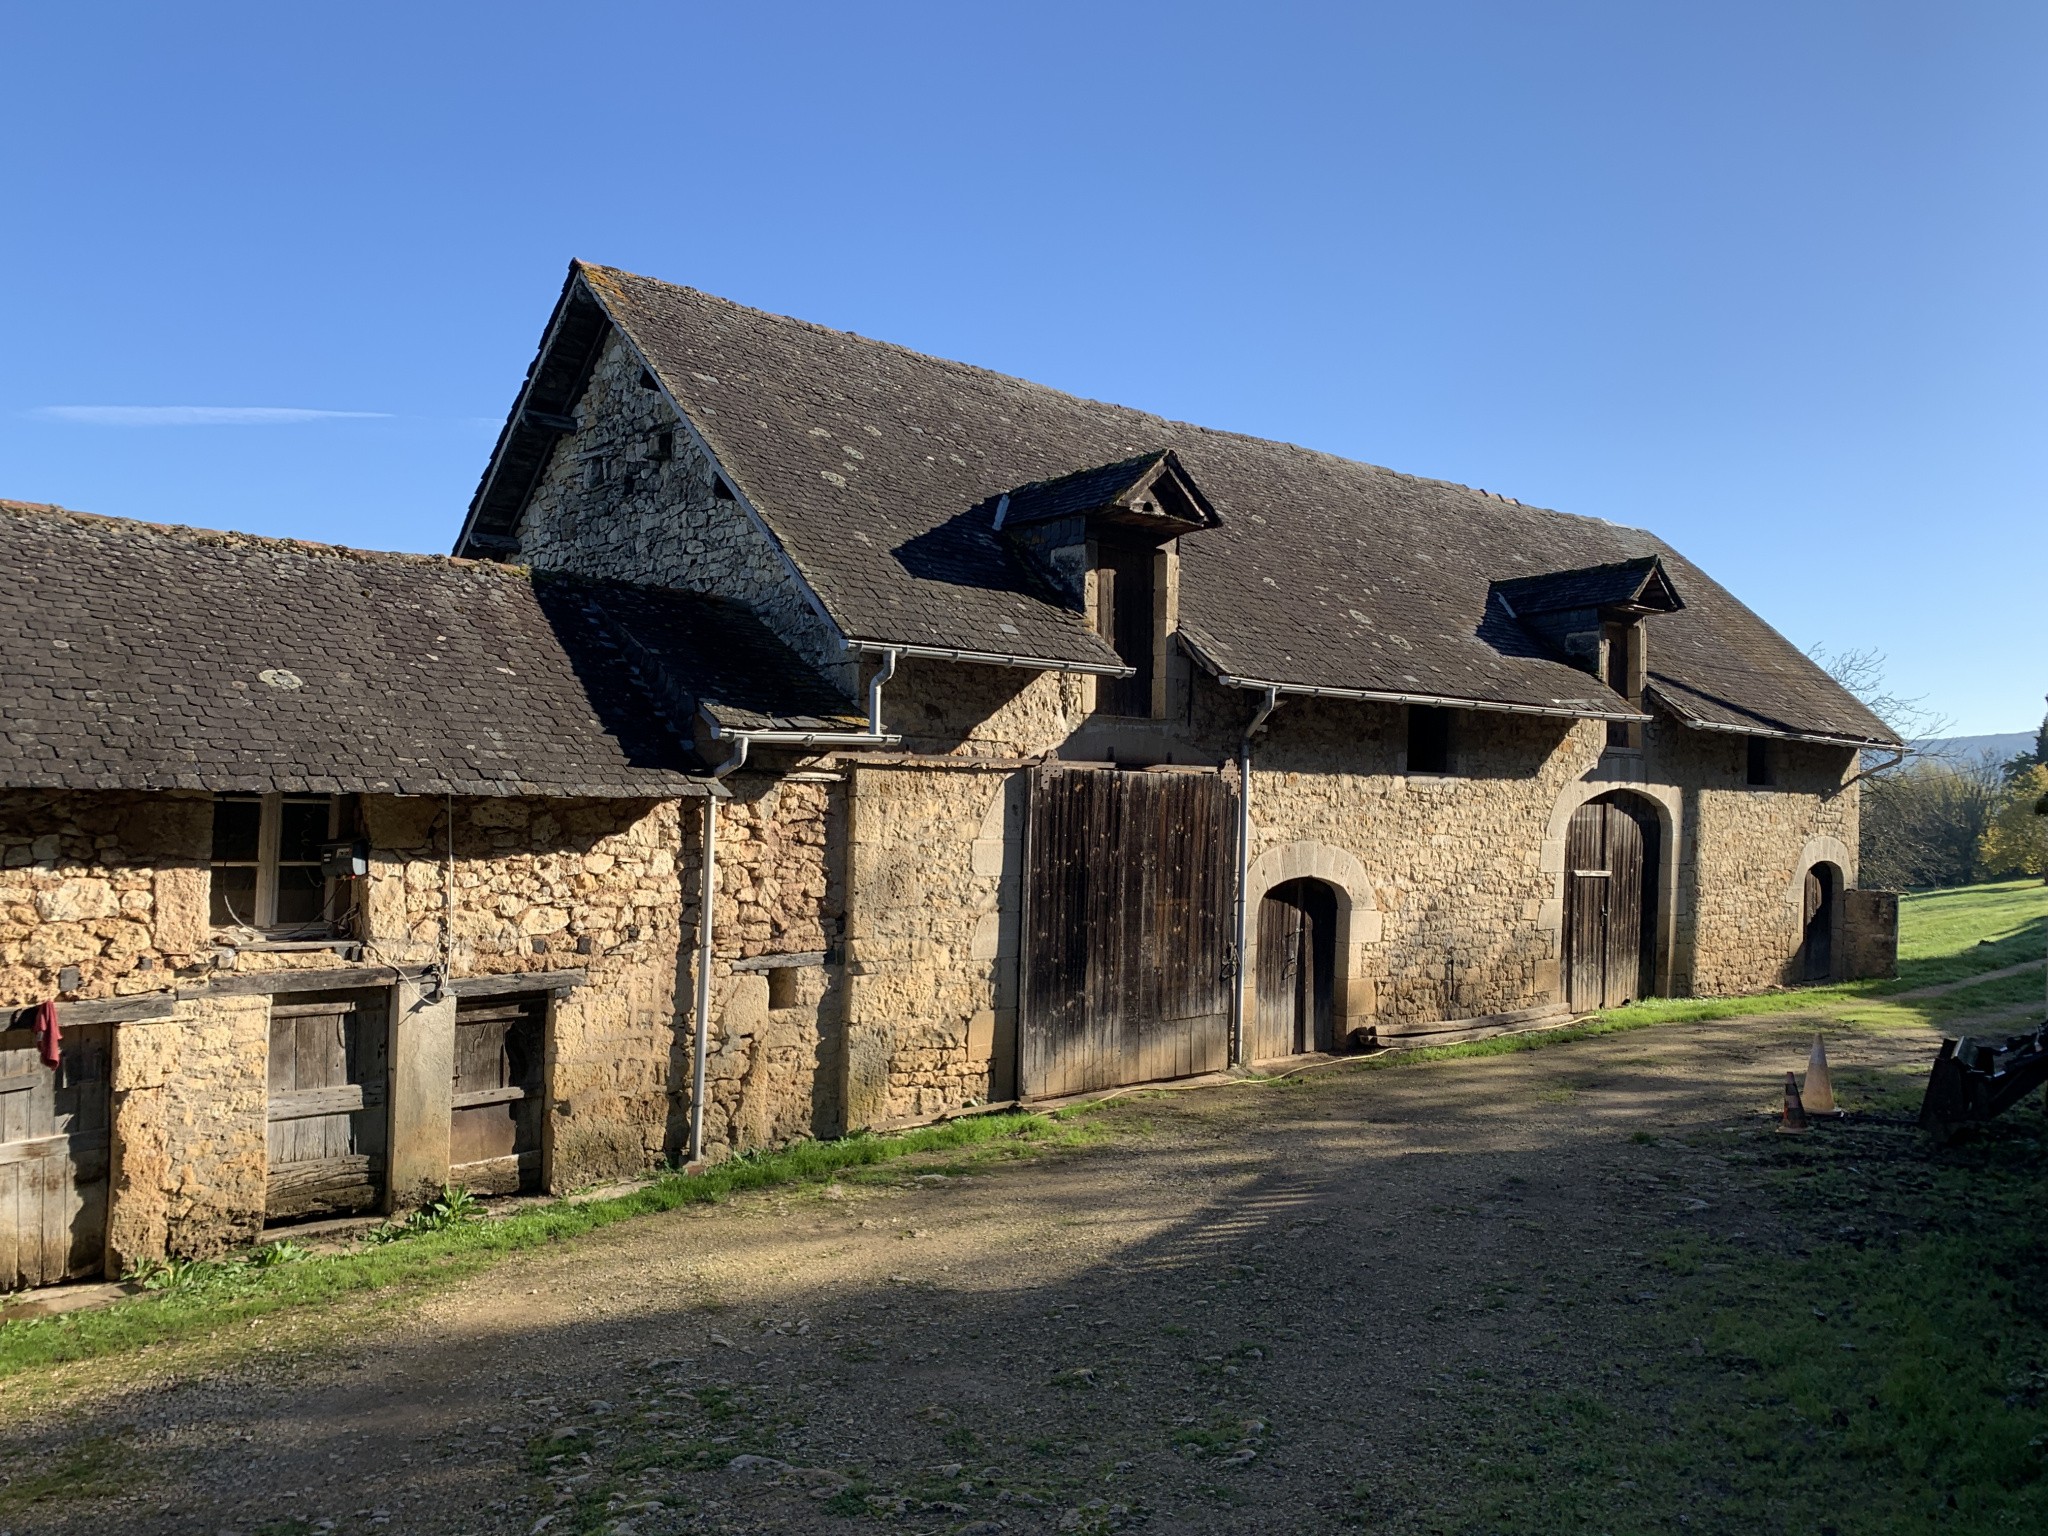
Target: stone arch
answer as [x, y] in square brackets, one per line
[1358, 924]
[1819, 849]
[1668, 802]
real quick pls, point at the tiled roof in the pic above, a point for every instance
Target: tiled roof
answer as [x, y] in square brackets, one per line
[138, 656]
[878, 470]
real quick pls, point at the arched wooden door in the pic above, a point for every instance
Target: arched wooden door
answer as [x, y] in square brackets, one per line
[1297, 979]
[1817, 949]
[1610, 903]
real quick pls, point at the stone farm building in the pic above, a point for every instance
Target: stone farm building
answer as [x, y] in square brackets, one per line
[1040, 745]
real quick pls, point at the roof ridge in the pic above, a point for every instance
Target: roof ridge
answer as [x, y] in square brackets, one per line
[978, 370]
[234, 538]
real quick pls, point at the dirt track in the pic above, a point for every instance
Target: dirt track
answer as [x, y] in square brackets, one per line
[1276, 1308]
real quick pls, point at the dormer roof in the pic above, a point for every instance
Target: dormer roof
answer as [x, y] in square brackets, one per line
[1622, 588]
[1151, 491]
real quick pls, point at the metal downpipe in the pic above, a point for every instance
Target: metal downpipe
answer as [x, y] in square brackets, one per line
[1244, 870]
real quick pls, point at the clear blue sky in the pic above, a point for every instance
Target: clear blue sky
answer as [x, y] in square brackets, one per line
[1766, 278]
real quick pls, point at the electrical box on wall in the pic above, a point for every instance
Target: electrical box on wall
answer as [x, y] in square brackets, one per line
[345, 860]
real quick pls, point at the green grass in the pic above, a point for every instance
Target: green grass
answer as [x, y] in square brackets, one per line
[1879, 1366]
[209, 1299]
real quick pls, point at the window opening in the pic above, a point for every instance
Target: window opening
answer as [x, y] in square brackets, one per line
[1759, 771]
[1623, 640]
[1429, 739]
[647, 380]
[268, 861]
[665, 444]
[720, 491]
[782, 987]
[1124, 616]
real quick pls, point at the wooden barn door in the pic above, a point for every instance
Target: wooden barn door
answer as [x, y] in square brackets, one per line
[328, 1098]
[53, 1157]
[494, 1133]
[1609, 905]
[1297, 941]
[1127, 916]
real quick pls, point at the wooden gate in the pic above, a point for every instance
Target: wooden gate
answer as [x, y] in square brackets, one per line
[1609, 904]
[1817, 946]
[328, 1098]
[1297, 971]
[494, 1133]
[1126, 928]
[53, 1157]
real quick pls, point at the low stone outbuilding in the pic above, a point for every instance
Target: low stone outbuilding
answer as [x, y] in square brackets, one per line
[1024, 744]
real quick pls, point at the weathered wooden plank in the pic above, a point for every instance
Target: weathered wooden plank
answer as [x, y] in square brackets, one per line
[329, 1186]
[779, 962]
[43, 1148]
[477, 1098]
[305, 1103]
[339, 979]
[107, 1010]
[522, 981]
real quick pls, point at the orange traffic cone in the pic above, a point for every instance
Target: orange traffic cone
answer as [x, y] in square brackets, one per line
[1795, 1112]
[1819, 1092]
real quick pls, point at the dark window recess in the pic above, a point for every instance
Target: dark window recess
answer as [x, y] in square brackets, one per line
[1123, 606]
[782, 987]
[720, 490]
[301, 883]
[1622, 640]
[1429, 739]
[1760, 762]
[647, 380]
[664, 445]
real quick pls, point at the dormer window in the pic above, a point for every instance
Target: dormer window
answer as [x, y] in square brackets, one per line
[1592, 619]
[1107, 539]
[1126, 616]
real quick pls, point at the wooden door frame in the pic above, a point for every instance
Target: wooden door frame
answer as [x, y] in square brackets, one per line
[1668, 802]
[1353, 999]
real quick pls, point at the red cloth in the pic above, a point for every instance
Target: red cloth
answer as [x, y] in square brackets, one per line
[49, 1037]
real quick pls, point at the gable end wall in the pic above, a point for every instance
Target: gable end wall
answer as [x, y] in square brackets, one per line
[657, 521]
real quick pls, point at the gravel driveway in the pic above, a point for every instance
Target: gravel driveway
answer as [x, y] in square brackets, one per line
[1274, 1307]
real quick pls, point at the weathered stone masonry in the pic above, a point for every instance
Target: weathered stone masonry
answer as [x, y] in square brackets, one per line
[104, 895]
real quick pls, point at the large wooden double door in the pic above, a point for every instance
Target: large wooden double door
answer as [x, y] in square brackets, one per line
[1123, 976]
[1610, 912]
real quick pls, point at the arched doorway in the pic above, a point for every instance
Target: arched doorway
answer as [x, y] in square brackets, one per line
[1823, 903]
[1610, 902]
[1297, 979]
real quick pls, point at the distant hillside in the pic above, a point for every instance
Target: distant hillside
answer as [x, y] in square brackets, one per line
[1982, 749]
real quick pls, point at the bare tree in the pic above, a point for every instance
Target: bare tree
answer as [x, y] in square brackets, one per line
[1923, 814]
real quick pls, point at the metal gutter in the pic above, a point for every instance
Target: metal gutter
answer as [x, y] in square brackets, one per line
[1384, 696]
[992, 658]
[1861, 743]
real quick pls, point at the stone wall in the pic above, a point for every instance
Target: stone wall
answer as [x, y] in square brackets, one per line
[109, 886]
[776, 1064]
[189, 1099]
[1749, 849]
[1454, 863]
[931, 938]
[603, 886]
[607, 505]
